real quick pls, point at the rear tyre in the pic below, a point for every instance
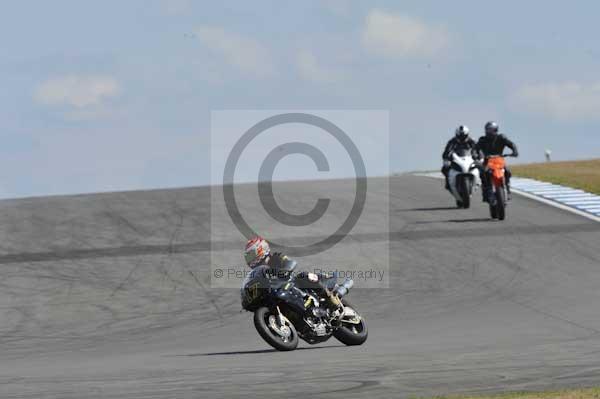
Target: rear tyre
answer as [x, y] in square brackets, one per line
[282, 338]
[352, 334]
[501, 203]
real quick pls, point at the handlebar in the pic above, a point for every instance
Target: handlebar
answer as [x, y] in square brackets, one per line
[500, 156]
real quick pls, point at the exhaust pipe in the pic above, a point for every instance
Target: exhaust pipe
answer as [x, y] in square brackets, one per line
[345, 287]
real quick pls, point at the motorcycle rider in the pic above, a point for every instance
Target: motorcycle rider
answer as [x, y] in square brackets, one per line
[494, 143]
[258, 252]
[459, 143]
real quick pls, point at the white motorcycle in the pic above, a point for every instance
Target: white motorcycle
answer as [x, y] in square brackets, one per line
[463, 178]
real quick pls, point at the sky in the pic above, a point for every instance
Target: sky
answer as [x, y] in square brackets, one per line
[117, 95]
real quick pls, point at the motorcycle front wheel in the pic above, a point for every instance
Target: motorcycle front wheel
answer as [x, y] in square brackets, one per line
[501, 203]
[281, 337]
[464, 189]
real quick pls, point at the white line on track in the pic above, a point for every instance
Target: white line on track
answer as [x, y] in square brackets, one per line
[561, 197]
[571, 196]
[557, 205]
[553, 191]
[567, 198]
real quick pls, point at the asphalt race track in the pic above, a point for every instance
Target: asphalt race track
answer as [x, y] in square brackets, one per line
[109, 296]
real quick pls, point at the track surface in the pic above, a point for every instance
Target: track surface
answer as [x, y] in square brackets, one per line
[108, 296]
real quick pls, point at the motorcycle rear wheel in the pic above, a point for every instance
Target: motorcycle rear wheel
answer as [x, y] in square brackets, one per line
[352, 334]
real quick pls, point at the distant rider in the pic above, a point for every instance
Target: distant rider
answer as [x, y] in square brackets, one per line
[491, 144]
[461, 142]
[258, 252]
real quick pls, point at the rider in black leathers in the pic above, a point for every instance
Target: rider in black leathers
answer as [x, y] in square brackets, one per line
[494, 143]
[302, 279]
[461, 142]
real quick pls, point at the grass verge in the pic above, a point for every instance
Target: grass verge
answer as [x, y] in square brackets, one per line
[588, 393]
[584, 175]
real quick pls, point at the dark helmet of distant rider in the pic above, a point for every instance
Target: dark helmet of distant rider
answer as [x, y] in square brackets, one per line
[491, 129]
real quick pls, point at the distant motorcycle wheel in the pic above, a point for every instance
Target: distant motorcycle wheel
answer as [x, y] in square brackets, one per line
[352, 334]
[281, 337]
[464, 190]
[493, 211]
[501, 204]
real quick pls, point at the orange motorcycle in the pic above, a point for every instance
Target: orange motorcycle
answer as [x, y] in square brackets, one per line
[495, 168]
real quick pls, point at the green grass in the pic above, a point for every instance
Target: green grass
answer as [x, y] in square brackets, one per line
[584, 175]
[588, 393]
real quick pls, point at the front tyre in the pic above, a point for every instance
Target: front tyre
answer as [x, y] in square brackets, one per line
[493, 204]
[281, 337]
[353, 330]
[464, 190]
[501, 203]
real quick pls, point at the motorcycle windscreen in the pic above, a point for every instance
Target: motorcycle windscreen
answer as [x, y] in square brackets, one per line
[463, 152]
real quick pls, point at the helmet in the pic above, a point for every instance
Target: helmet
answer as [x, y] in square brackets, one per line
[491, 128]
[257, 249]
[462, 133]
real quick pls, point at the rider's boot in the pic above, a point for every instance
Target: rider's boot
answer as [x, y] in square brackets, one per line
[508, 193]
[485, 194]
[333, 303]
[445, 171]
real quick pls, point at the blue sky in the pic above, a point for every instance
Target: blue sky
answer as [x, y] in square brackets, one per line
[116, 95]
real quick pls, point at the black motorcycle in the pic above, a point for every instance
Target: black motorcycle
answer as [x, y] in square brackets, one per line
[286, 310]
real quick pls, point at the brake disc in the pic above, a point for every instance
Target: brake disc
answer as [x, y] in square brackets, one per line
[282, 330]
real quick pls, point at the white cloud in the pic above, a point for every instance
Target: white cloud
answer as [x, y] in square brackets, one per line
[565, 101]
[246, 54]
[310, 69]
[397, 35]
[76, 91]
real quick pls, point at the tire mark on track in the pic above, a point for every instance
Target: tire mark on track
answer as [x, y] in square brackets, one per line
[554, 316]
[166, 270]
[206, 246]
[200, 284]
[126, 279]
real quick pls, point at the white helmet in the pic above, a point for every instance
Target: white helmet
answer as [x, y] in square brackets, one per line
[257, 249]
[462, 133]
